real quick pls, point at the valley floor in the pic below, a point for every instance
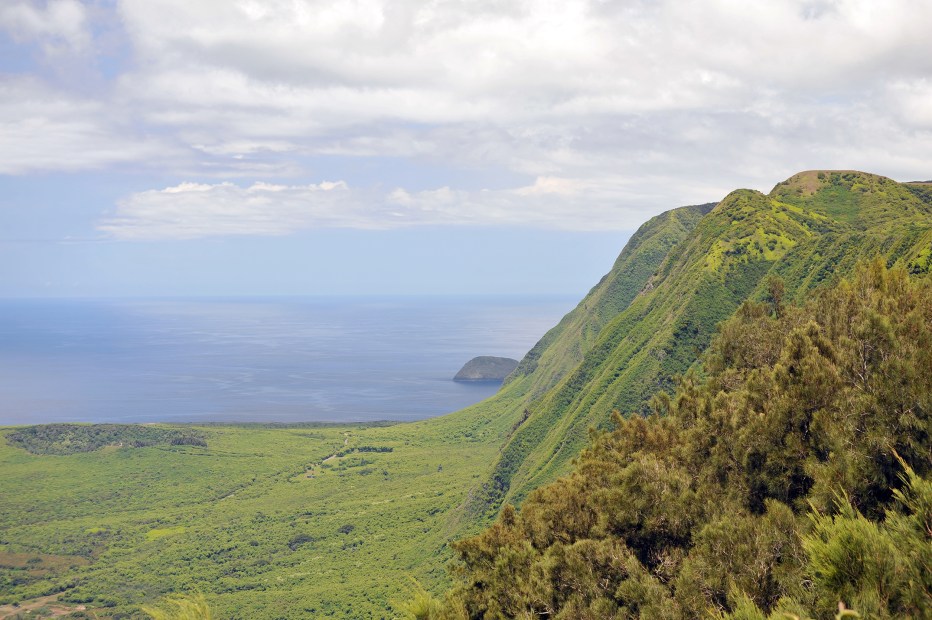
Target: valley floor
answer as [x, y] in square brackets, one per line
[300, 521]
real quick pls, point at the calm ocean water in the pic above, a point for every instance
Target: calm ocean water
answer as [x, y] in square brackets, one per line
[256, 360]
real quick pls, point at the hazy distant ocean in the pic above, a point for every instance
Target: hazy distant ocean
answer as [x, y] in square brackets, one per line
[255, 360]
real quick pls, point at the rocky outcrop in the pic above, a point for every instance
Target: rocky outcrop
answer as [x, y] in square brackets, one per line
[486, 368]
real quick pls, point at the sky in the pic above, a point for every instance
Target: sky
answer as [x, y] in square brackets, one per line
[295, 147]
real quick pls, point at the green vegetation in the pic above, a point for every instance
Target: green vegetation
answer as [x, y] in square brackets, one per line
[74, 438]
[793, 477]
[274, 521]
[685, 271]
[284, 522]
[181, 608]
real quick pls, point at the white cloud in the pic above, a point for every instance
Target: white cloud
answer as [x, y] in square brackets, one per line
[915, 103]
[195, 210]
[662, 102]
[42, 129]
[448, 60]
[60, 27]
[538, 87]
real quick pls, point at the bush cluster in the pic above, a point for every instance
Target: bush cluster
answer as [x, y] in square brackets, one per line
[790, 476]
[74, 438]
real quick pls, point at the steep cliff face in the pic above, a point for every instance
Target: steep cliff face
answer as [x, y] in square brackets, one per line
[680, 275]
[564, 346]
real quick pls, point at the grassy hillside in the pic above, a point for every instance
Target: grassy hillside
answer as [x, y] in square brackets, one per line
[810, 230]
[564, 346]
[329, 521]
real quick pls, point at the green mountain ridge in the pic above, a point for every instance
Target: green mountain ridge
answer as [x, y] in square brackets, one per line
[680, 275]
[564, 346]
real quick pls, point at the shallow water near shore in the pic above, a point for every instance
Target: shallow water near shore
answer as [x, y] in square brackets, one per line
[255, 360]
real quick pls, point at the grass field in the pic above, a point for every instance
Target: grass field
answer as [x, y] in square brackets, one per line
[288, 522]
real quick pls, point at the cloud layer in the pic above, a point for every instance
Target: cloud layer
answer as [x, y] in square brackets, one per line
[644, 104]
[60, 27]
[194, 210]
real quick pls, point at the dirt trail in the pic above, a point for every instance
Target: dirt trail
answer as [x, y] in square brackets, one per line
[55, 609]
[346, 438]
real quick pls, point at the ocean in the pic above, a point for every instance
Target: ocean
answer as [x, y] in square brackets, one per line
[255, 360]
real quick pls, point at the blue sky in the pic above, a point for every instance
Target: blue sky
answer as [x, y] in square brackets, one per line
[238, 147]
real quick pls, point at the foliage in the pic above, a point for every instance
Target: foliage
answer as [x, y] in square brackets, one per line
[769, 485]
[418, 604]
[181, 608]
[883, 569]
[74, 438]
